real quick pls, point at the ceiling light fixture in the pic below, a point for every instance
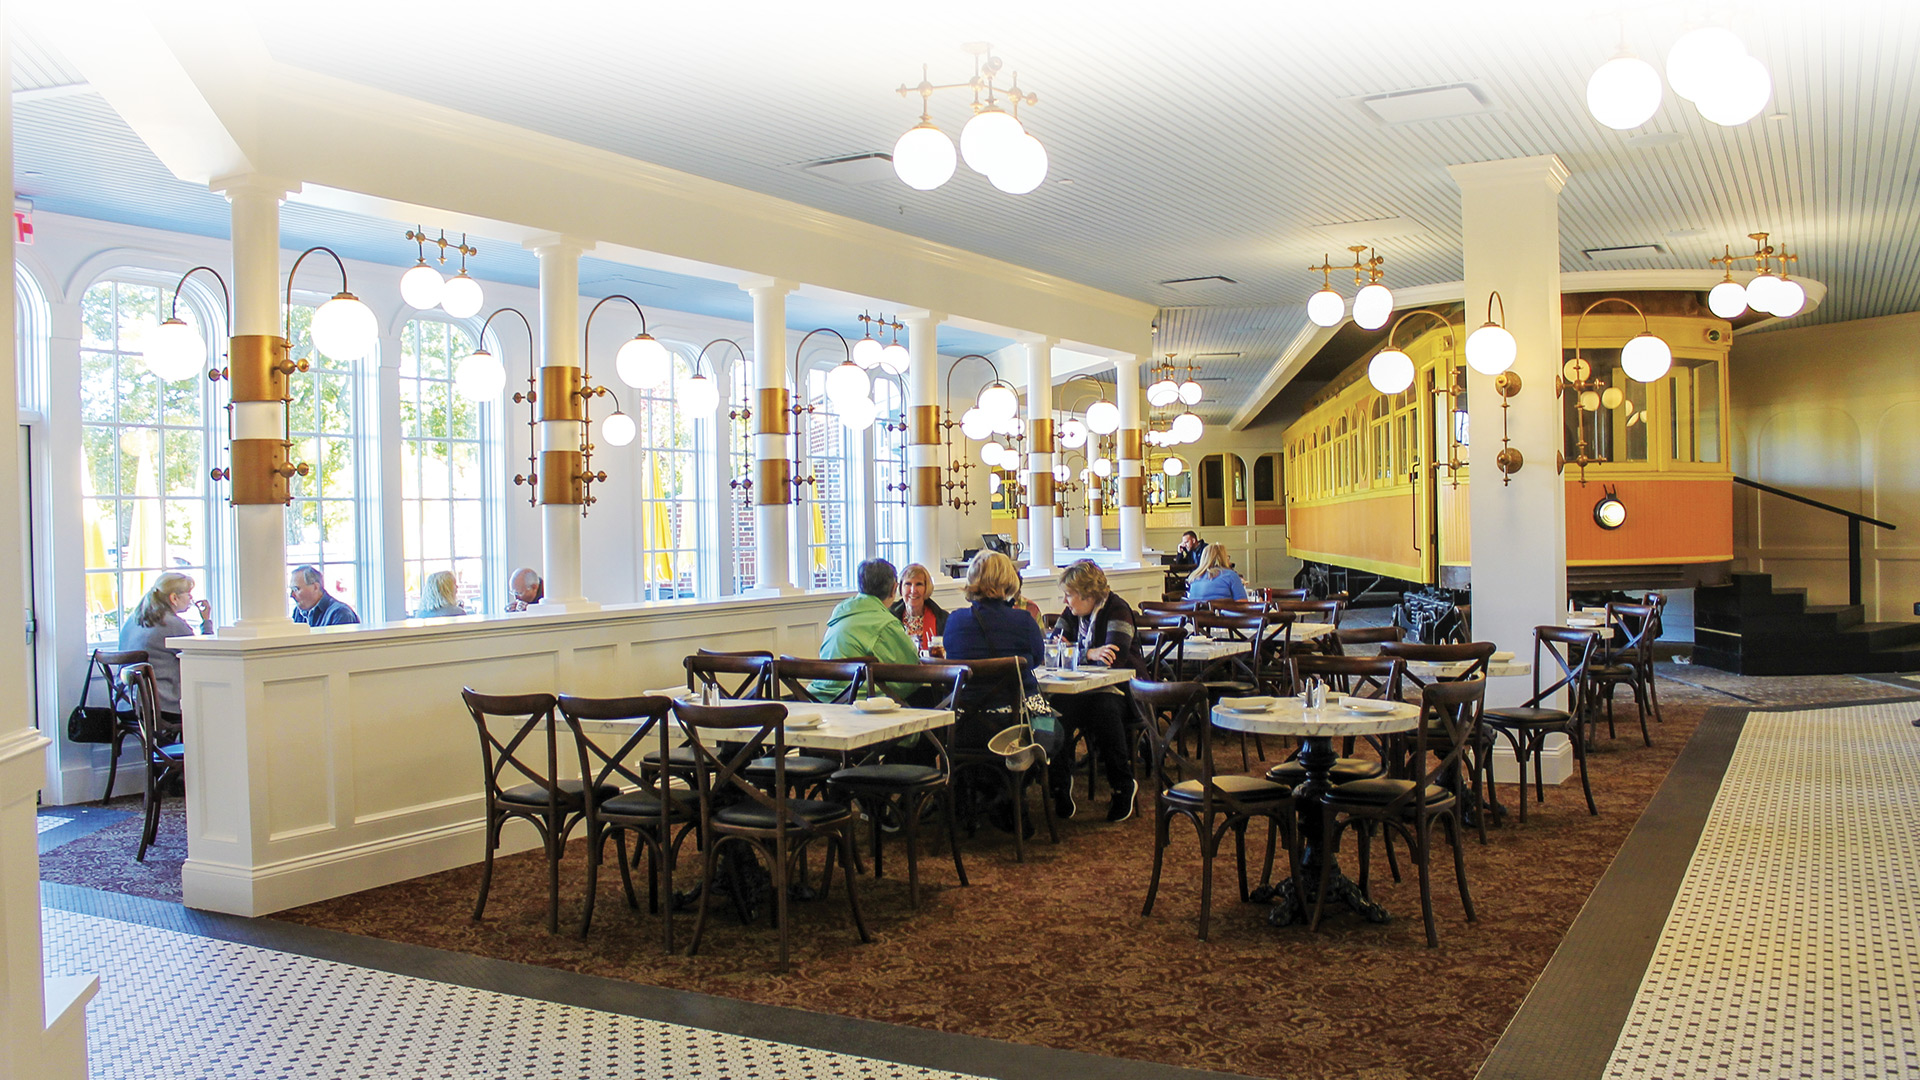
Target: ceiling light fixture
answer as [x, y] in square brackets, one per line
[1770, 291]
[1163, 391]
[1708, 66]
[1372, 305]
[423, 287]
[993, 143]
[1190, 391]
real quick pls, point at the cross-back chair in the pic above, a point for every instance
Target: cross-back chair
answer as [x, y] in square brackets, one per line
[1562, 654]
[1626, 661]
[160, 746]
[1475, 657]
[126, 721]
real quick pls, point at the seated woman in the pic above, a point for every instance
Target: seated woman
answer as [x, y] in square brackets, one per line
[1215, 577]
[1100, 625]
[987, 628]
[923, 619]
[153, 622]
[440, 596]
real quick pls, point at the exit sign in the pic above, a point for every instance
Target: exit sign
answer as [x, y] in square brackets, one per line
[23, 222]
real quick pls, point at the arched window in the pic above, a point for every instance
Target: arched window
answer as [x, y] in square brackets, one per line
[324, 422]
[668, 541]
[30, 336]
[144, 489]
[890, 469]
[446, 482]
[826, 518]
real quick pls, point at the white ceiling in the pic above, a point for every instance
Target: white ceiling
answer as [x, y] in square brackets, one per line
[1213, 142]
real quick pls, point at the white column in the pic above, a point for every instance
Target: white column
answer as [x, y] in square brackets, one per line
[774, 562]
[923, 439]
[387, 519]
[260, 549]
[560, 348]
[1040, 443]
[1133, 521]
[1510, 218]
[1096, 528]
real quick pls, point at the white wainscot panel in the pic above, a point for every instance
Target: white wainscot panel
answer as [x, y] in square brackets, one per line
[301, 760]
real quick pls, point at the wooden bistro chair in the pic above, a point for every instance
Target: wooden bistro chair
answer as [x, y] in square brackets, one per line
[1322, 611]
[166, 757]
[906, 787]
[126, 720]
[1178, 607]
[994, 691]
[1241, 674]
[776, 827]
[552, 805]
[1271, 594]
[1627, 662]
[648, 806]
[1175, 714]
[1242, 606]
[1163, 649]
[1526, 727]
[1658, 602]
[794, 679]
[1340, 642]
[1479, 762]
[1412, 805]
[734, 676]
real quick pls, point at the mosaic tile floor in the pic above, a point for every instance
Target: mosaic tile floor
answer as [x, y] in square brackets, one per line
[184, 1007]
[1793, 947]
[48, 821]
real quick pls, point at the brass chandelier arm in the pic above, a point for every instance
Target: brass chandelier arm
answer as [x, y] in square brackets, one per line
[296, 270]
[419, 234]
[586, 335]
[502, 311]
[226, 298]
[1444, 321]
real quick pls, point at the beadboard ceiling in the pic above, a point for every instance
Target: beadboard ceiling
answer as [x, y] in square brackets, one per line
[1227, 141]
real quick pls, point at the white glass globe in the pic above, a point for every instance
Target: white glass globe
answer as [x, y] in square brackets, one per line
[1188, 427]
[461, 297]
[1073, 433]
[1173, 466]
[923, 158]
[896, 358]
[421, 287]
[1760, 291]
[1612, 396]
[975, 424]
[1739, 95]
[1102, 468]
[1728, 299]
[1590, 400]
[1645, 358]
[1700, 58]
[1624, 93]
[866, 352]
[175, 351]
[1023, 164]
[993, 483]
[1103, 418]
[1372, 306]
[1086, 476]
[345, 329]
[999, 402]
[618, 429]
[1191, 393]
[1788, 299]
[1163, 393]
[643, 363]
[846, 383]
[858, 414]
[1062, 474]
[1326, 308]
[991, 453]
[987, 140]
[1491, 349]
[480, 377]
[1390, 371]
[699, 396]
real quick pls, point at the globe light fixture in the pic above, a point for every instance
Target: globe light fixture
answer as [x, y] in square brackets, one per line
[1770, 291]
[1163, 391]
[618, 429]
[991, 453]
[421, 286]
[859, 414]
[1700, 58]
[699, 396]
[1190, 391]
[1760, 290]
[1613, 397]
[986, 143]
[994, 482]
[1326, 308]
[643, 363]
[924, 157]
[1062, 474]
[846, 383]
[896, 359]
[1102, 467]
[866, 353]
[1372, 306]
[1022, 167]
[461, 296]
[1624, 92]
[1103, 417]
[1188, 427]
[1739, 95]
[975, 425]
[1645, 358]
[480, 376]
[174, 351]
[1728, 299]
[1788, 298]
[1390, 371]
[999, 401]
[345, 329]
[1173, 466]
[1492, 349]
[1073, 433]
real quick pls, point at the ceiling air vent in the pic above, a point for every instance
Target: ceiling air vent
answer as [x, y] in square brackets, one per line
[1625, 254]
[1428, 103]
[1206, 281]
[853, 168]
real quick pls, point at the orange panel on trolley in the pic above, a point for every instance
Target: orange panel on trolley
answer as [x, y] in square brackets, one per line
[1669, 520]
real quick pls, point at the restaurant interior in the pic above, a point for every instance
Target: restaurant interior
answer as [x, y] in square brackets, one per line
[768, 540]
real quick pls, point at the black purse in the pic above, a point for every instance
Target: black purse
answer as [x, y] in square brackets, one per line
[92, 723]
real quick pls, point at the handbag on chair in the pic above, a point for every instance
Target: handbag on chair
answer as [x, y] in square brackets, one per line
[92, 723]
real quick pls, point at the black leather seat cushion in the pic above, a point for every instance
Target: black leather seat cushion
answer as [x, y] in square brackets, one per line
[896, 775]
[1612, 671]
[1379, 792]
[752, 815]
[1345, 770]
[680, 757]
[1243, 788]
[800, 768]
[1522, 716]
[643, 804]
[572, 792]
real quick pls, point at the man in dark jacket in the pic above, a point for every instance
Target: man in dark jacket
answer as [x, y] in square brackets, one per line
[313, 604]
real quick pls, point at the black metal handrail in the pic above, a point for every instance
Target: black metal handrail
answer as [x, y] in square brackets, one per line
[1853, 529]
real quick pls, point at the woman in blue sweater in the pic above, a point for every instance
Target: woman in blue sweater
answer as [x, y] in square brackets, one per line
[990, 627]
[1215, 577]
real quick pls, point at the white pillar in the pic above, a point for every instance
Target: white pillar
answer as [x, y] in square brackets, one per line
[1096, 528]
[560, 348]
[774, 564]
[1133, 520]
[923, 439]
[1040, 441]
[1510, 219]
[260, 550]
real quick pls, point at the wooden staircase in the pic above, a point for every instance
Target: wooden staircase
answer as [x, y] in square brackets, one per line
[1751, 628]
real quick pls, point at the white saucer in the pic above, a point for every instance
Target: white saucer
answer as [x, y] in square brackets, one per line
[877, 705]
[1365, 705]
[1068, 676]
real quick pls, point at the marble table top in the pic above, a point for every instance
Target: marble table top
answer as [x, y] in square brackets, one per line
[1287, 716]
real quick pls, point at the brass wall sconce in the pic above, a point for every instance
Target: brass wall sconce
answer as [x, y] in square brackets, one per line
[1509, 460]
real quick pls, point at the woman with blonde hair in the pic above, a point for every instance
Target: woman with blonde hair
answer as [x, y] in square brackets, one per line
[440, 596]
[1098, 623]
[152, 622]
[923, 619]
[990, 626]
[1215, 578]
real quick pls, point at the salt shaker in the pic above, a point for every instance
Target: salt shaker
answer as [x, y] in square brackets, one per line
[706, 694]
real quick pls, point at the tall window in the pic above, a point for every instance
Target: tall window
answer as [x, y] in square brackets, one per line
[826, 502]
[443, 467]
[739, 449]
[890, 471]
[323, 524]
[669, 538]
[144, 498]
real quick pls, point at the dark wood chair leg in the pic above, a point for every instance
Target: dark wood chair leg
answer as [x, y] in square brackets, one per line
[953, 831]
[707, 860]
[853, 894]
[486, 869]
[1460, 866]
[1586, 786]
[554, 851]
[1420, 849]
[594, 844]
[1209, 850]
[911, 827]
[1162, 818]
[113, 764]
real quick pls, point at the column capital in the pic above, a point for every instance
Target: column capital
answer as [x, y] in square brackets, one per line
[777, 286]
[1023, 338]
[1544, 168]
[558, 244]
[254, 184]
[910, 316]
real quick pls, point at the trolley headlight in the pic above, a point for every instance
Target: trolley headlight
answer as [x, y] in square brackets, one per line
[1609, 512]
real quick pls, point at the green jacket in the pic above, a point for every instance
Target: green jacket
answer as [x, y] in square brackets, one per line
[862, 628]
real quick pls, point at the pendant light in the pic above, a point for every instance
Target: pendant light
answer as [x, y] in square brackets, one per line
[993, 142]
[1163, 391]
[421, 286]
[1190, 392]
[1624, 92]
[461, 297]
[1372, 305]
[924, 157]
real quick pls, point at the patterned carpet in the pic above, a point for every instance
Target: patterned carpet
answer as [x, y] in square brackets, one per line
[1055, 952]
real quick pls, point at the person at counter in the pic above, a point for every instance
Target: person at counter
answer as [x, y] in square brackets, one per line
[527, 589]
[156, 619]
[923, 619]
[313, 604]
[862, 628]
[440, 596]
[1215, 578]
[1099, 623]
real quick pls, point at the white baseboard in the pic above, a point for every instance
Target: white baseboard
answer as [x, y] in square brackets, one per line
[1556, 762]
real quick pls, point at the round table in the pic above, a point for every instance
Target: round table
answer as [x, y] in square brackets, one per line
[1317, 728]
